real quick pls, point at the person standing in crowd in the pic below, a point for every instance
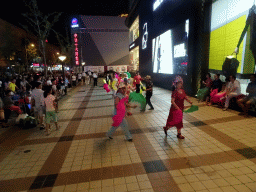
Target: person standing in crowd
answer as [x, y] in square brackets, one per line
[50, 104]
[109, 78]
[136, 82]
[178, 97]
[79, 77]
[87, 79]
[246, 102]
[90, 75]
[37, 98]
[55, 92]
[83, 76]
[18, 82]
[12, 86]
[149, 92]
[233, 90]
[62, 86]
[24, 84]
[73, 79]
[49, 82]
[95, 78]
[66, 85]
[216, 84]
[121, 100]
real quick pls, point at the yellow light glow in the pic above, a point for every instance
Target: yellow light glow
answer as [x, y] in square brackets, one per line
[230, 56]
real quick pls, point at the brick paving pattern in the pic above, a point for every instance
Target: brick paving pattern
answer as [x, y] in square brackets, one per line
[217, 154]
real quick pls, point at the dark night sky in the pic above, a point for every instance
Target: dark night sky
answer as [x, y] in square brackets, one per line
[13, 11]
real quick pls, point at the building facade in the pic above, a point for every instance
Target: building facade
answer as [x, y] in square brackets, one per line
[100, 41]
[190, 38]
[165, 37]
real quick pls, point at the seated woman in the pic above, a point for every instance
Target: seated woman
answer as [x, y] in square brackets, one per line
[218, 97]
[216, 88]
[204, 92]
[9, 106]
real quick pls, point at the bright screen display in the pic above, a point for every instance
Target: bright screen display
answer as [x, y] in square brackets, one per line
[169, 50]
[157, 3]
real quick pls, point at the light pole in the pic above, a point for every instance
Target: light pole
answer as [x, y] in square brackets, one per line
[62, 58]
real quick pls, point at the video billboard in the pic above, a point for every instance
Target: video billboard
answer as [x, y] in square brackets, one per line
[169, 50]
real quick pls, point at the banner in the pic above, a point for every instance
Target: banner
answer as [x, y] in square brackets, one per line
[118, 68]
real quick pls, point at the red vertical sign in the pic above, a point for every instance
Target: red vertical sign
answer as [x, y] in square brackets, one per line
[76, 49]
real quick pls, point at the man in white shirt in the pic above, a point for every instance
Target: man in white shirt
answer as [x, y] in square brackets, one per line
[95, 78]
[37, 98]
[233, 90]
[74, 79]
[49, 82]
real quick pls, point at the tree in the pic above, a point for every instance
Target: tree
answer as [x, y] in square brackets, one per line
[9, 48]
[66, 46]
[41, 25]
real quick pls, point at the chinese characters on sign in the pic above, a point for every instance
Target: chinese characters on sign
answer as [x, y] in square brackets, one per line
[76, 49]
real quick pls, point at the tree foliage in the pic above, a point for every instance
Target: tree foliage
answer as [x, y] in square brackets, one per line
[40, 24]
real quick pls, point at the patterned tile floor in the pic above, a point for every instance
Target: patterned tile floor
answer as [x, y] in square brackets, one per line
[218, 153]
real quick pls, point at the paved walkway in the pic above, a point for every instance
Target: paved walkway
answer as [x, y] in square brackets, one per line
[217, 154]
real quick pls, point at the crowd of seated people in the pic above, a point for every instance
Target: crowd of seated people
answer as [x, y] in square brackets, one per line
[22, 94]
[222, 93]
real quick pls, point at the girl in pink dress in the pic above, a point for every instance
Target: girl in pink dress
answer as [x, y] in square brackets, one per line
[176, 111]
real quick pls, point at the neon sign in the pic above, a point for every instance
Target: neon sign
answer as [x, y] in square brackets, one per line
[74, 23]
[145, 36]
[76, 49]
[132, 45]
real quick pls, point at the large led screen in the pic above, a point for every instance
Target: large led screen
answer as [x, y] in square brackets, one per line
[169, 50]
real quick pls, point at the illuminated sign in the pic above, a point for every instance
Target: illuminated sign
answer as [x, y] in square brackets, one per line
[157, 3]
[36, 65]
[76, 49]
[74, 23]
[179, 50]
[145, 36]
[132, 45]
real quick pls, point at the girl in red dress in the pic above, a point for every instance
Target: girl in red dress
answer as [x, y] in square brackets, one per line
[176, 112]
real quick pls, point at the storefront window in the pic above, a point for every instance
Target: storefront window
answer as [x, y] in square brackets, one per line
[134, 31]
[134, 59]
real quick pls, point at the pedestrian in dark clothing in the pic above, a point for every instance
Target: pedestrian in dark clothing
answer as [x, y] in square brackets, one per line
[217, 83]
[149, 92]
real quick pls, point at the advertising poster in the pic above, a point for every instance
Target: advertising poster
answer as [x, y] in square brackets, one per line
[169, 50]
[118, 68]
[228, 21]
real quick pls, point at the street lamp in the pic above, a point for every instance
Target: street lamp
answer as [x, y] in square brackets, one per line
[62, 58]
